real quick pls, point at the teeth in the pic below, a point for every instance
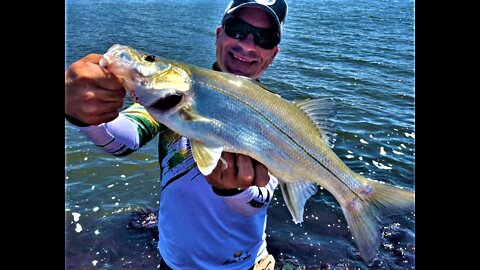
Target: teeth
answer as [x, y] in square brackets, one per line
[241, 59]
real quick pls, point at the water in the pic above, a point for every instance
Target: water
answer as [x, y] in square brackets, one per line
[360, 52]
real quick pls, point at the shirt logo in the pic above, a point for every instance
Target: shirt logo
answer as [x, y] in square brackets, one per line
[261, 198]
[237, 257]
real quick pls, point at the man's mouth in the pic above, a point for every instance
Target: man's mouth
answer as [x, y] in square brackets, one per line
[243, 59]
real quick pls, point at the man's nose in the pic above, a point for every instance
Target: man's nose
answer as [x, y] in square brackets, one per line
[248, 42]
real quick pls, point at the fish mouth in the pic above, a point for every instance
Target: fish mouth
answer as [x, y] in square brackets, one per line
[167, 103]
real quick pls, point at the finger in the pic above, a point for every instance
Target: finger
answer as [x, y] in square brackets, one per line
[106, 79]
[93, 57]
[246, 172]
[106, 117]
[111, 106]
[210, 179]
[114, 95]
[214, 178]
[87, 70]
[101, 94]
[224, 163]
[261, 175]
[230, 172]
[95, 108]
[96, 118]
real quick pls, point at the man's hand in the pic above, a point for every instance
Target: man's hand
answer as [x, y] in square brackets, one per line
[92, 94]
[241, 172]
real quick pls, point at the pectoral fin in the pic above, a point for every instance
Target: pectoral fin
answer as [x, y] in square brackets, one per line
[190, 115]
[206, 157]
[295, 195]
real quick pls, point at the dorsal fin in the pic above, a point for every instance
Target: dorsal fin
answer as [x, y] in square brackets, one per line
[321, 111]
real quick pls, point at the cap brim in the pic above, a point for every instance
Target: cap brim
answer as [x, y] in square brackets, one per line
[259, 6]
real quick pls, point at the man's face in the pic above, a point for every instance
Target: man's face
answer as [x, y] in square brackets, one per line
[244, 57]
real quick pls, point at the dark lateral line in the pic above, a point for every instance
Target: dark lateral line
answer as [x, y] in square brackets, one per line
[202, 83]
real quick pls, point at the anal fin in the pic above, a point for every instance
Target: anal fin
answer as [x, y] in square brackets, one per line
[296, 195]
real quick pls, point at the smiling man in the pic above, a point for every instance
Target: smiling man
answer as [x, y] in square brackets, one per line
[248, 38]
[205, 222]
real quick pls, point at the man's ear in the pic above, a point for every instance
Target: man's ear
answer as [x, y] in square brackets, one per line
[217, 31]
[275, 51]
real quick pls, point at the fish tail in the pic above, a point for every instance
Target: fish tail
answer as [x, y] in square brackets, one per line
[364, 211]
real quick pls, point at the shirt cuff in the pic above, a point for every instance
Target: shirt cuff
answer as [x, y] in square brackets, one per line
[253, 199]
[225, 192]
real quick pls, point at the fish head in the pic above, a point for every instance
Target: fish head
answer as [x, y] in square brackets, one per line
[160, 85]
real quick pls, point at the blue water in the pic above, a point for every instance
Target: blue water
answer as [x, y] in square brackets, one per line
[360, 52]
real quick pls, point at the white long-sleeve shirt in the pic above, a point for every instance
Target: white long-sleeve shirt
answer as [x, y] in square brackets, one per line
[199, 228]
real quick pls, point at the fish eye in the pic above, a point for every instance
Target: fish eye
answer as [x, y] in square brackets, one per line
[150, 58]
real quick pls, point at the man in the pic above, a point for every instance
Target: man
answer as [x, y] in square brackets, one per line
[205, 222]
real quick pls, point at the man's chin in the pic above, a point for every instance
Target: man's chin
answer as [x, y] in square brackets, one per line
[240, 70]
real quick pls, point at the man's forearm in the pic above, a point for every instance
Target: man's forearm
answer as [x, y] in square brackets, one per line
[118, 137]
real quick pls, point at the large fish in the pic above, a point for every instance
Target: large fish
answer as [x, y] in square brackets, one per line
[224, 112]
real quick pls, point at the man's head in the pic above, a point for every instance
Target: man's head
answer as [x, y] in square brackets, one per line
[247, 41]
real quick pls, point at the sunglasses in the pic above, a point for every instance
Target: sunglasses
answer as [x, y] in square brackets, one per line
[263, 37]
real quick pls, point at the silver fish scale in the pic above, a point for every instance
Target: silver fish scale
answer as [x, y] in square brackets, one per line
[254, 124]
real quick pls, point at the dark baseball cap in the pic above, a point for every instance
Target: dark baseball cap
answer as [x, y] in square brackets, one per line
[277, 9]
